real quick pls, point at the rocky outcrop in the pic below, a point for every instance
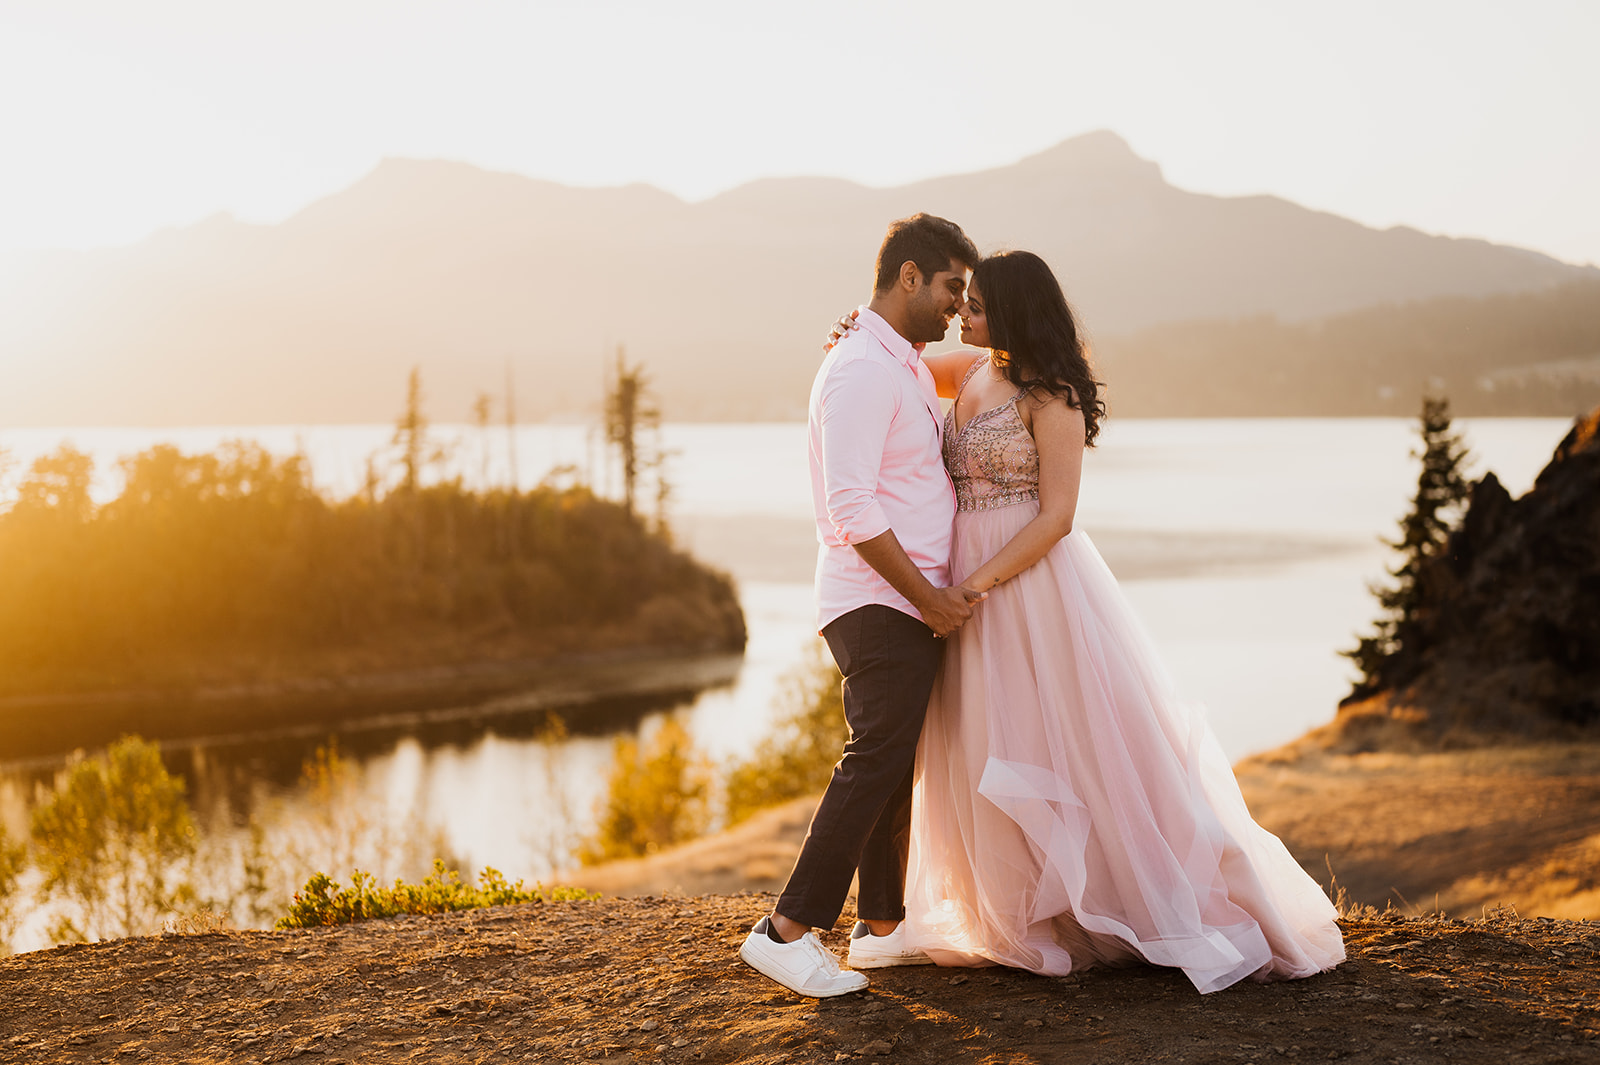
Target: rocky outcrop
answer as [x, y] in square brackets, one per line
[1507, 634]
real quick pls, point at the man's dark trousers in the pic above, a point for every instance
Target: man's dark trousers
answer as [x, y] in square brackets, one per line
[889, 660]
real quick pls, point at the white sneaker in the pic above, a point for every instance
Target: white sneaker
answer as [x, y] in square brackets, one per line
[868, 951]
[805, 966]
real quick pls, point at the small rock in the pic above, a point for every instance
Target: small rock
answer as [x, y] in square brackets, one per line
[955, 980]
[877, 1046]
[680, 1043]
[649, 1026]
[1034, 1022]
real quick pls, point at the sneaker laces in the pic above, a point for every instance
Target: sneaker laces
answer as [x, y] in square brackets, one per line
[825, 957]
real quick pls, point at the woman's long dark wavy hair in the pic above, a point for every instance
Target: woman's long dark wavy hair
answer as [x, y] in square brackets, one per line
[1036, 335]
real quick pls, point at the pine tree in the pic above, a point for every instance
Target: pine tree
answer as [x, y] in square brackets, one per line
[1442, 490]
[411, 435]
[629, 408]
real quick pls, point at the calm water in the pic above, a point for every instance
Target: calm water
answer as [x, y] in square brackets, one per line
[1245, 545]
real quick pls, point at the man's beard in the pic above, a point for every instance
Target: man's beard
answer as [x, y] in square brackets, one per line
[929, 324]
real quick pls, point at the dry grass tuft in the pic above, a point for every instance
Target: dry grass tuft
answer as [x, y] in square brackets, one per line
[200, 923]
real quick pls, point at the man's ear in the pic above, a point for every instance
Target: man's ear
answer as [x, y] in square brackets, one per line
[910, 276]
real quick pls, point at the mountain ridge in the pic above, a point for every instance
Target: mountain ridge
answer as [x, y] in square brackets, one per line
[461, 270]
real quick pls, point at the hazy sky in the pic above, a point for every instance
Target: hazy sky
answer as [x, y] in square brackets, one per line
[1461, 117]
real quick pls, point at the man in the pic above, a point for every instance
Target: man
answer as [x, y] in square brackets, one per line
[884, 507]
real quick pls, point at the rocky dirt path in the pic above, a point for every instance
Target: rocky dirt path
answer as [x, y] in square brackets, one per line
[656, 980]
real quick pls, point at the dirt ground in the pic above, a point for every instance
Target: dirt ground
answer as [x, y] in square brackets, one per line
[657, 980]
[1452, 831]
[654, 978]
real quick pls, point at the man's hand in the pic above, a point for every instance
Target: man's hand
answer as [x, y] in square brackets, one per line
[945, 610]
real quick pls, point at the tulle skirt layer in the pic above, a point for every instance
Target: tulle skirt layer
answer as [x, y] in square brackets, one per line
[1071, 811]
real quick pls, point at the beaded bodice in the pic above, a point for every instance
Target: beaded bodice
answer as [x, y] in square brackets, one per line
[992, 459]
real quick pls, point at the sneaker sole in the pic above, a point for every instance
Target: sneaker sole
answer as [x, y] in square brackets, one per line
[775, 978]
[889, 963]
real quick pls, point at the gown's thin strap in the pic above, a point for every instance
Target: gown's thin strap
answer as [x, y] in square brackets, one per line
[970, 371]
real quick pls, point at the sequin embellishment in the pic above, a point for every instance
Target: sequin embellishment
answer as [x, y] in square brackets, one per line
[992, 460]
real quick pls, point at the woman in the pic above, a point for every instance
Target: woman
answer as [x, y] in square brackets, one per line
[1070, 810]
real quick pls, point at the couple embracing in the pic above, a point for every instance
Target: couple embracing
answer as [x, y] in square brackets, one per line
[1022, 785]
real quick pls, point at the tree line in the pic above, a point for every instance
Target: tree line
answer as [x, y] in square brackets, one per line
[230, 566]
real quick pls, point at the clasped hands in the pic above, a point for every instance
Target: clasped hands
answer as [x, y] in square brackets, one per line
[947, 609]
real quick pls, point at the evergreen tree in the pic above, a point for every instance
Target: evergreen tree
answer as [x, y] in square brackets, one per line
[6, 463]
[1442, 490]
[411, 435]
[629, 409]
[481, 418]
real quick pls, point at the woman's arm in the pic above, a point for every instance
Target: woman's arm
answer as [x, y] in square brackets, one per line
[1058, 432]
[950, 369]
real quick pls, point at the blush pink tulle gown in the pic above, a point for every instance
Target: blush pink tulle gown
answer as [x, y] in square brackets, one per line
[1070, 809]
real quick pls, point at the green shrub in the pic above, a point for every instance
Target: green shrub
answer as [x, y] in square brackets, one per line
[13, 857]
[109, 835]
[323, 902]
[655, 798]
[799, 756]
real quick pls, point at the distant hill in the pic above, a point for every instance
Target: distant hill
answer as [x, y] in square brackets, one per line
[457, 270]
[1518, 353]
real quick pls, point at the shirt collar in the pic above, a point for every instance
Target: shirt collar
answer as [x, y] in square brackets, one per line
[898, 346]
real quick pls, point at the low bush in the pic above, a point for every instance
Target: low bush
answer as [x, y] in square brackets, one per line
[323, 902]
[657, 797]
[806, 742]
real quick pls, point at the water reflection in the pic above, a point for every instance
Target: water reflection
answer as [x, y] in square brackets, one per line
[1258, 644]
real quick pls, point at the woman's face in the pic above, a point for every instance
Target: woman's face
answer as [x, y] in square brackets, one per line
[974, 326]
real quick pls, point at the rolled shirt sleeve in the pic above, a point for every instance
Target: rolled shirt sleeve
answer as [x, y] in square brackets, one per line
[858, 403]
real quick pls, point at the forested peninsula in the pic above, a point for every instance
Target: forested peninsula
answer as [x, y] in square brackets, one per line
[226, 586]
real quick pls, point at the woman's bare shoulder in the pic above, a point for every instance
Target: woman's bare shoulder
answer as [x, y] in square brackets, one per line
[950, 368]
[1037, 397]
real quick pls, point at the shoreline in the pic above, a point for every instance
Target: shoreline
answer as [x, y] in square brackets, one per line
[43, 727]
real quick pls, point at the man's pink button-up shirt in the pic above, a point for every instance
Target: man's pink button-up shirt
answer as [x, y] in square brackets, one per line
[876, 465]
